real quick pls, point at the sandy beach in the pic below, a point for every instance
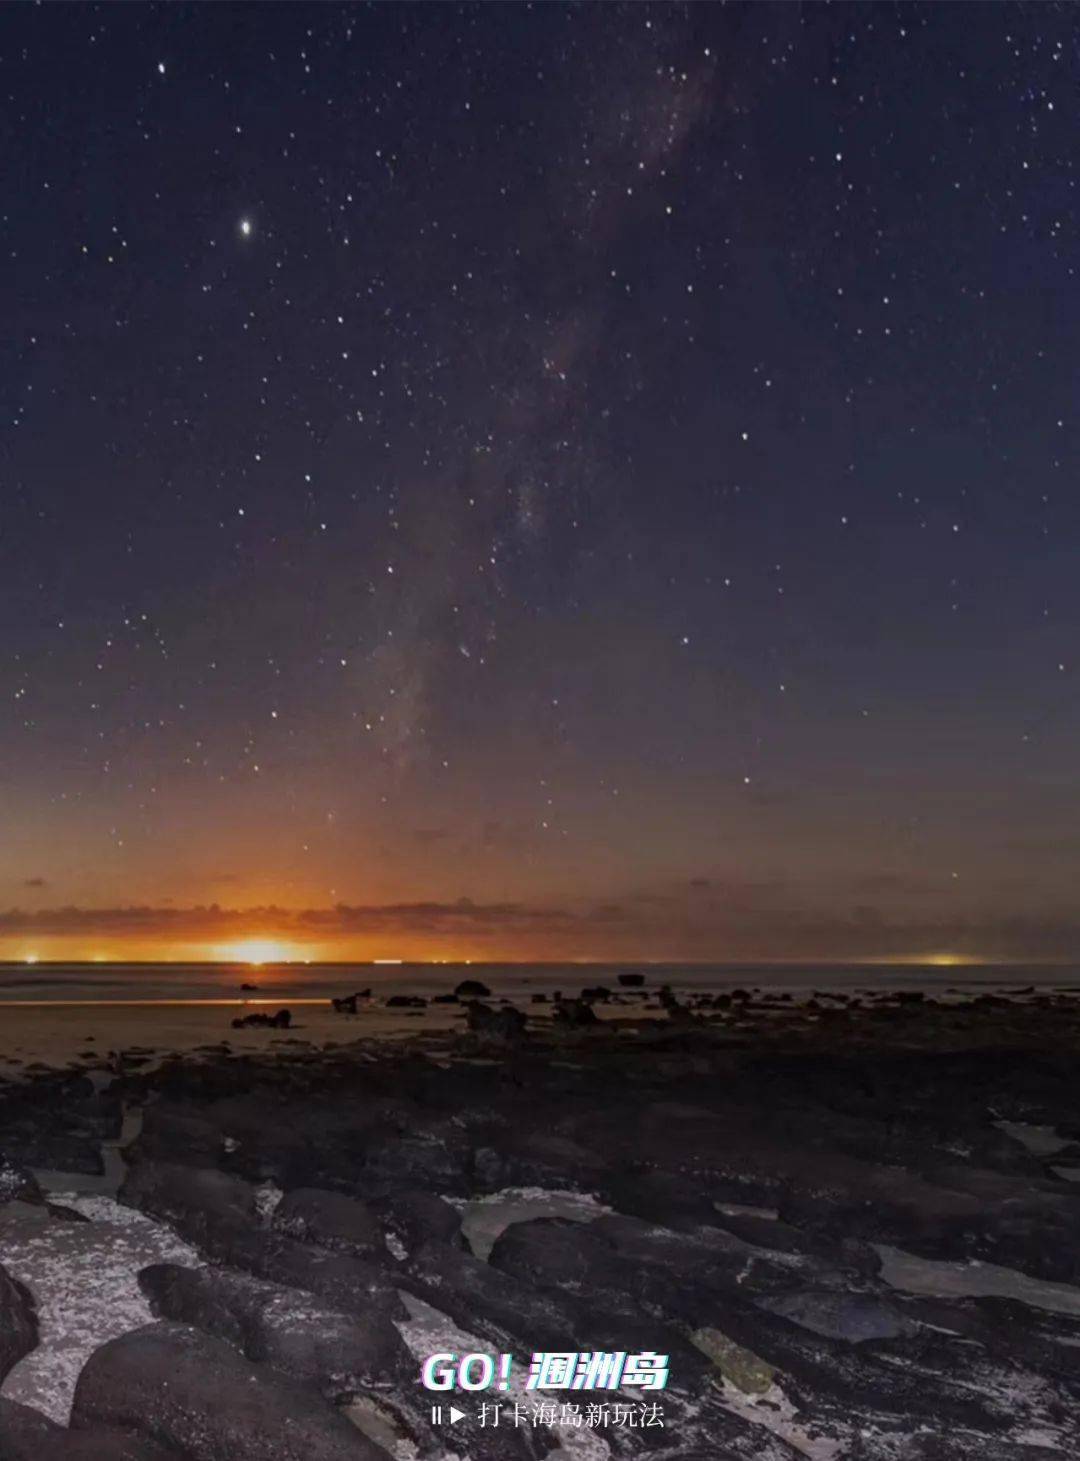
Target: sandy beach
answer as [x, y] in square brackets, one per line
[58, 1016]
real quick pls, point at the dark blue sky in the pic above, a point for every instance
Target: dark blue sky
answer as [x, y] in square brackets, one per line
[613, 465]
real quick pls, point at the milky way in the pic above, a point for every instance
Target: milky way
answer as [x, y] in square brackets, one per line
[568, 480]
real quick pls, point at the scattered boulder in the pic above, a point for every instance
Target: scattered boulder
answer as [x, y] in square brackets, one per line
[355, 1285]
[472, 989]
[506, 1023]
[541, 1159]
[501, 1307]
[347, 1004]
[206, 1206]
[17, 1184]
[575, 1013]
[343, 1224]
[273, 1324]
[347, 1358]
[406, 1001]
[281, 1021]
[187, 1390]
[631, 981]
[412, 1217]
[176, 1133]
[18, 1322]
[27, 1435]
[681, 1014]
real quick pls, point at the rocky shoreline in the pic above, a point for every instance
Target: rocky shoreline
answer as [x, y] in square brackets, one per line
[852, 1223]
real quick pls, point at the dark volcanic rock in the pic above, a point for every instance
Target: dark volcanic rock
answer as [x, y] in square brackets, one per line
[363, 1147]
[512, 1314]
[631, 981]
[40, 1131]
[680, 1275]
[693, 1135]
[281, 1021]
[354, 1285]
[414, 1217]
[27, 1435]
[65, 1214]
[483, 1300]
[847, 1255]
[660, 1197]
[331, 1219]
[17, 1184]
[577, 1013]
[176, 1133]
[734, 1156]
[217, 1213]
[961, 1448]
[18, 1322]
[181, 1078]
[596, 994]
[1020, 1226]
[854, 1317]
[184, 1389]
[538, 1159]
[343, 1355]
[273, 1324]
[501, 1024]
[472, 989]
[439, 1160]
[207, 1206]
[628, 1269]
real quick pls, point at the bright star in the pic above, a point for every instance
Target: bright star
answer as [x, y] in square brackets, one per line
[245, 227]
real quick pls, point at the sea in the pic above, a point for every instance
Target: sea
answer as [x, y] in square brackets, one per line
[298, 983]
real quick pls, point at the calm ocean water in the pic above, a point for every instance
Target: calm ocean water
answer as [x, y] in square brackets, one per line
[208, 983]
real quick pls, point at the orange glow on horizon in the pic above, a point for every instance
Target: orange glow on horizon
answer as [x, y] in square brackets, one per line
[257, 951]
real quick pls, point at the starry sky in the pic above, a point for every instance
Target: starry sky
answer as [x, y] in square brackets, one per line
[540, 481]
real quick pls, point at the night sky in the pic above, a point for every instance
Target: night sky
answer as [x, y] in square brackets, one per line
[540, 481]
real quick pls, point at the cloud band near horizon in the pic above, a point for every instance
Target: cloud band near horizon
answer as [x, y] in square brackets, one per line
[640, 926]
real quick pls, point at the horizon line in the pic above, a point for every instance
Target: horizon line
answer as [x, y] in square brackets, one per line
[943, 962]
